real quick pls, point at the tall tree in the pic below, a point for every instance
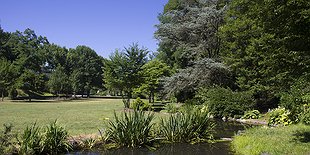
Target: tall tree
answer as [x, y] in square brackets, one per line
[188, 31]
[26, 52]
[267, 43]
[125, 68]
[152, 72]
[87, 69]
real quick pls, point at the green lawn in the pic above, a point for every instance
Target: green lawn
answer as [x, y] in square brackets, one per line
[78, 116]
[292, 140]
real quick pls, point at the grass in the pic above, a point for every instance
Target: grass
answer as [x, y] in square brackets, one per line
[78, 116]
[292, 140]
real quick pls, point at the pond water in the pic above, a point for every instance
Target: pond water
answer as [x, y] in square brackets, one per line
[224, 130]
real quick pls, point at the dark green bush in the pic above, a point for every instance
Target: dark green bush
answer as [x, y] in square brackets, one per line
[223, 102]
[305, 115]
[194, 126]
[131, 129]
[295, 99]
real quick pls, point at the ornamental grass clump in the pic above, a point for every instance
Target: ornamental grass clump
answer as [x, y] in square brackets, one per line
[131, 129]
[191, 127]
[53, 140]
[56, 139]
[31, 141]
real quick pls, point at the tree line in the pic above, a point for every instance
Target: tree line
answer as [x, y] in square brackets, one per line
[31, 66]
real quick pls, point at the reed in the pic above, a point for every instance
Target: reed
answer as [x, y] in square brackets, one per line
[131, 129]
[191, 126]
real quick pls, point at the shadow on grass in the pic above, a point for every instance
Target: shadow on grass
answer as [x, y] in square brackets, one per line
[302, 136]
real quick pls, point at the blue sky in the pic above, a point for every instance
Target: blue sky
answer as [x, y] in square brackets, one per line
[103, 25]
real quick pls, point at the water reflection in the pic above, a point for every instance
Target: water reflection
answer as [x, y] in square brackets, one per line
[177, 149]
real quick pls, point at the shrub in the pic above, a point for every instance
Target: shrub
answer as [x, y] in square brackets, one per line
[223, 102]
[52, 141]
[193, 127]
[89, 143]
[296, 97]
[254, 114]
[279, 116]
[131, 129]
[31, 141]
[139, 104]
[7, 140]
[56, 139]
[305, 115]
[171, 108]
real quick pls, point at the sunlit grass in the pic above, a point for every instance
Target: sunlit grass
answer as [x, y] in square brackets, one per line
[77, 116]
[293, 140]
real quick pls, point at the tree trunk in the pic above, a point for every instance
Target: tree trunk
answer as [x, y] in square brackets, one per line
[150, 97]
[153, 101]
[126, 100]
[88, 93]
[2, 95]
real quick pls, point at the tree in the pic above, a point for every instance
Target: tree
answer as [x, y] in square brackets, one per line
[203, 73]
[7, 76]
[114, 68]
[59, 81]
[86, 69]
[26, 53]
[188, 31]
[125, 67]
[266, 43]
[152, 72]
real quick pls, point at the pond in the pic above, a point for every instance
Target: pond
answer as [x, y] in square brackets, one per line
[224, 130]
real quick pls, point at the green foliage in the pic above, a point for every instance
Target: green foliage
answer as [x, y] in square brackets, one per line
[131, 129]
[253, 114]
[171, 108]
[7, 75]
[193, 127]
[122, 71]
[223, 102]
[139, 104]
[265, 43]
[304, 117]
[171, 5]
[203, 73]
[89, 143]
[187, 31]
[7, 141]
[59, 81]
[152, 72]
[279, 116]
[52, 141]
[31, 141]
[295, 99]
[28, 60]
[56, 139]
[87, 69]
